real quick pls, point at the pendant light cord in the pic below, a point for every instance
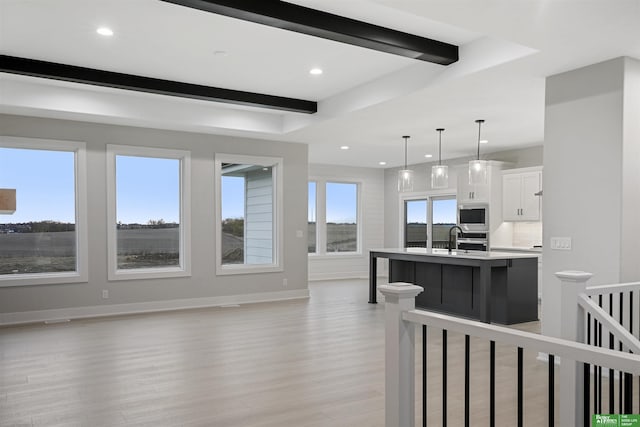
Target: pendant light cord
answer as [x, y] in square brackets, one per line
[479, 122]
[405, 151]
[439, 146]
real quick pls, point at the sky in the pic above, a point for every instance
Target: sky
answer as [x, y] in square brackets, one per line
[341, 202]
[44, 183]
[444, 211]
[148, 189]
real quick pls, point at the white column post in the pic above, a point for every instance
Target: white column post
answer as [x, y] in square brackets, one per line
[399, 354]
[572, 284]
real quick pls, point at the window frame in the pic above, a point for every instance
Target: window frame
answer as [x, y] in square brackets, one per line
[277, 170]
[315, 204]
[184, 267]
[81, 275]
[429, 196]
[321, 218]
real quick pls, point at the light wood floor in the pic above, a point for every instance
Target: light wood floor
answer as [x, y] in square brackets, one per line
[316, 362]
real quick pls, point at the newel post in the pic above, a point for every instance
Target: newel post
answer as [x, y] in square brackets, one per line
[572, 321]
[399, 354]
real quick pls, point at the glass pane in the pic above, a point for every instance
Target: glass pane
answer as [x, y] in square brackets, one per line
[342, 214]
[415, 230]
[444, 217]
[311, 221]
[247, 214]
[40, 236]
[147, 212]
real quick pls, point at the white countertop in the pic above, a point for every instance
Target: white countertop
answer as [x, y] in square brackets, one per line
[457, 253]
[517, 248]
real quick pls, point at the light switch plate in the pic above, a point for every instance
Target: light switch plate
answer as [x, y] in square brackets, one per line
[561, 243]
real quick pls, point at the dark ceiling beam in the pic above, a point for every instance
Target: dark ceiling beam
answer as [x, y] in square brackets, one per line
[72, 73]
[289, 16]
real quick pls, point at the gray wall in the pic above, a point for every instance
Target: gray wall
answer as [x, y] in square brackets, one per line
[203, 283]
[591, 179]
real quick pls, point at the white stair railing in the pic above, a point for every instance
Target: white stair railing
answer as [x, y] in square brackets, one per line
[401, 318]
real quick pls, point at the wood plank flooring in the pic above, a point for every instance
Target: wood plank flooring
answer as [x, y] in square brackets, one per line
[314, 363]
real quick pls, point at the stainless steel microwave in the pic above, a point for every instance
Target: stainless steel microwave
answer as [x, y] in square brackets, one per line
[473, 217]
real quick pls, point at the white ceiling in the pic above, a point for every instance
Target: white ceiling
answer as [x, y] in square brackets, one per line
[366, 99]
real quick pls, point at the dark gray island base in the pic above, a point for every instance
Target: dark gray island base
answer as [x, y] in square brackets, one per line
[489, 286]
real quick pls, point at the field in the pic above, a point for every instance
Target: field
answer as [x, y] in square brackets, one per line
[49, 252]
[37, 252]
[55, 251]
[138, 248]
[417, 235]
[340, 237]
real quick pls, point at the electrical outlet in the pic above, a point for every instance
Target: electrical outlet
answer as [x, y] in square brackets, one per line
[285, 283]
[105, 294]
[561, 243]
[299, 234]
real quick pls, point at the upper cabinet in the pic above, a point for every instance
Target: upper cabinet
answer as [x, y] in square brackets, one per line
[479, 192]
[522, 194]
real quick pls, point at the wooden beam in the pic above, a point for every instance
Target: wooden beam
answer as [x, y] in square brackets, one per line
[292, 17]
[72, 73]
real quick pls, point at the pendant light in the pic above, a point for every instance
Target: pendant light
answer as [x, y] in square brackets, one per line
[439, 172]
[405, 176]
[478, 168]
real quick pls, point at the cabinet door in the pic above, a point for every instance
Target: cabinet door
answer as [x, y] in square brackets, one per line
[511, 191]
[465, 190]
[530, 203]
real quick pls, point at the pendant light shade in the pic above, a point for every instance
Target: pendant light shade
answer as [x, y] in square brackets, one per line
[439, 172]
[478, 168]
[405, 176]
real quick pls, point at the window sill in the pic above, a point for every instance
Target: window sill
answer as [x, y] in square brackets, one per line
[336, 255]
[9, 280]
[148, 273]
[226, 270]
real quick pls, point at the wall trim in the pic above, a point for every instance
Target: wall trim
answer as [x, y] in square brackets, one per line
[86, 312]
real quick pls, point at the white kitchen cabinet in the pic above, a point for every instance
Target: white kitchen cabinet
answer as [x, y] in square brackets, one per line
[474, 193]
[521, 200]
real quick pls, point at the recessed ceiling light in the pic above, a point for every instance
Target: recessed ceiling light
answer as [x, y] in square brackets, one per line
[484, 141]
[344, 147]
[428, 156]
[315, 71]
[382, 163]
[105, 31]
[220, 53]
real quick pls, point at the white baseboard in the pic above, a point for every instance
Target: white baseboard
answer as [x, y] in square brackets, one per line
[65, 314]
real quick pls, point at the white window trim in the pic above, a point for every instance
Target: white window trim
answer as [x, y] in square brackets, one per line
[421, 195]
[321, 219]
[278, 233]
[82, 246]
[184, 269]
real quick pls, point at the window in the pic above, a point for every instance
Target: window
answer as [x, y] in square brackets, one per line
[44, 241]
[341, 202]
[248, 214]
[443, 214]
[311, 212]
[415, 224]
[427, 221]
[148, 212]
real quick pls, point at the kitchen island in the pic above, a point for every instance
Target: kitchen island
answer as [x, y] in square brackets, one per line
[489, 286]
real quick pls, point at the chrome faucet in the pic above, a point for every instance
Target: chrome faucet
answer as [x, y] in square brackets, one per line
[450, 239]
